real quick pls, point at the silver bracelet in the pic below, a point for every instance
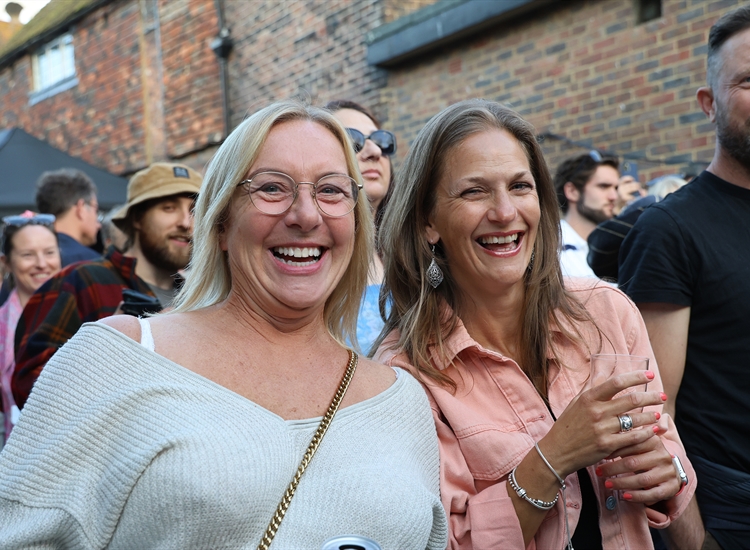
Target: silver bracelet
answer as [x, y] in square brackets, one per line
[521, 492]
[544, 458]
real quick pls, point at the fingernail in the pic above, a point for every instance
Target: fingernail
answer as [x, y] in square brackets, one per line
[627, 496]
[656, 429]
[663, 396]
[598, 471]
[657, 415]
[608, 484]
[650, 375]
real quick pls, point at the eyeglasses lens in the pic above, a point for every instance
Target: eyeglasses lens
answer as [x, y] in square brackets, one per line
[384, 139]
[274, 193]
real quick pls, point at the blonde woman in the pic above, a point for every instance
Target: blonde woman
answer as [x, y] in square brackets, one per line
[185, 429]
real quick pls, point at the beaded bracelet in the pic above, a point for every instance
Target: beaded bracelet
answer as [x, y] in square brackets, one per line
[521, 492]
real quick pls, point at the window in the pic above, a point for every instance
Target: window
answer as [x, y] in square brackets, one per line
[647, 10]
[54, 68]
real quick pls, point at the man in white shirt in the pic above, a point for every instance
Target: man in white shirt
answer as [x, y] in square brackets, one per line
[586, 188]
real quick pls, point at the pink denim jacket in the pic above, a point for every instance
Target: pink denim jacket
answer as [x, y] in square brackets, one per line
[492, 421]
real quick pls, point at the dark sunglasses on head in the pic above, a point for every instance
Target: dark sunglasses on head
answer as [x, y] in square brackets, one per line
[36, 219]
[382, 138]
[592, 155]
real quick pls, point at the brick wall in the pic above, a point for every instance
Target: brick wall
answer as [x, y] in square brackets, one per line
[582, 70]
[148, 87]
[100, 119]
[314, 50]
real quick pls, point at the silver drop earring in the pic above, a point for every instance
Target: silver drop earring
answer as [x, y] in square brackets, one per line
[531, 261]
[434, 273]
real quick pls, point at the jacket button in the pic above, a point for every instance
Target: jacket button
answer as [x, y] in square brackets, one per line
[611, 503]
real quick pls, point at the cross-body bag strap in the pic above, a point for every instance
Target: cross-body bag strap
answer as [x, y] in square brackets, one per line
[317, 437]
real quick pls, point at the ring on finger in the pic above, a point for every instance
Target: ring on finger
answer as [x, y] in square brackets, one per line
[626, 423]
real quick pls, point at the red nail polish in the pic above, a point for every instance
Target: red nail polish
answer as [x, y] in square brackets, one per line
[627, 496]
[650, 375]
[663, 396]
[658, 416]
[608, 484]
[656, 429]
[598, 471]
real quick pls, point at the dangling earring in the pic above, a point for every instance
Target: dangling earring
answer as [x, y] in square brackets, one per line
[531, 261]
[434, 273]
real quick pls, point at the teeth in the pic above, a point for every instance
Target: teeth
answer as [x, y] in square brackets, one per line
[499, 240]
[297, 252]
[297, 264]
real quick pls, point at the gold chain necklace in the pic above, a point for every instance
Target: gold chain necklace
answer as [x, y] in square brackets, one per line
[317, 437]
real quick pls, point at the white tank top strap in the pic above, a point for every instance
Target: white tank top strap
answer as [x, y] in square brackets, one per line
[147, 339]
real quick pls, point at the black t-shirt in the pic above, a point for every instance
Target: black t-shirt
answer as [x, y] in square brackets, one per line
[693, 249]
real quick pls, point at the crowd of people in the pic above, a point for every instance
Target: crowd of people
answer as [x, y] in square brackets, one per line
[305, 349]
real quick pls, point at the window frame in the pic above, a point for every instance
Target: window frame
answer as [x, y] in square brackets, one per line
[45, 82]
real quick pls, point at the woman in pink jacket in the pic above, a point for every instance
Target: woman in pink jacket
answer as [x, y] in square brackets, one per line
[533, 454]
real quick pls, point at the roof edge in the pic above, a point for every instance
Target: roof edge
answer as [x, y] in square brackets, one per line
[50, 33]
[439, 24]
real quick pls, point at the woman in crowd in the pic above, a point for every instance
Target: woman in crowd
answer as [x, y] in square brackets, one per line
[481, 313]
[30, 257]
[185, 429]
[374, 148]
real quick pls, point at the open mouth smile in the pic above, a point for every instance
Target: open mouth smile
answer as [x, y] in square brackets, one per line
[298, 256]
[498, 243]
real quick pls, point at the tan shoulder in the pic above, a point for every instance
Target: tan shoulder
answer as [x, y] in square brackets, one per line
[127, 324]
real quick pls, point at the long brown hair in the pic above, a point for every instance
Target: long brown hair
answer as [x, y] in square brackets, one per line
[417, 310]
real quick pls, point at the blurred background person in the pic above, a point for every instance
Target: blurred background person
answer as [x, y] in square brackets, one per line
[606, 239]
[111, 234]
[30, 257]
[205, 412]
[586, 187]
[503, 342]
[374, 148]
[158, 220]
[70, 196]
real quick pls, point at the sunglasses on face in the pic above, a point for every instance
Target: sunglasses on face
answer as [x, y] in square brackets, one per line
[382, 138]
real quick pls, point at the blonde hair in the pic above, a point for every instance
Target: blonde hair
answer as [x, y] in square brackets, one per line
[665, 185]
[417, 310]
[208, 280]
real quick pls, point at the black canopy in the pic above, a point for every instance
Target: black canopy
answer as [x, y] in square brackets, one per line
[23, 158]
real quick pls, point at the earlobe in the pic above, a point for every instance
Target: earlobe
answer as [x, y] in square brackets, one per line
[705, 96]
[571, 193]
[432, 234]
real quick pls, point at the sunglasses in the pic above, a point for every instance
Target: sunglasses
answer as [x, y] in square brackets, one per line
[36, 219]
[592, 155]
[382, 138]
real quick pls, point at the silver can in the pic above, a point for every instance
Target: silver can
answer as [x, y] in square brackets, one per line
[350, 542]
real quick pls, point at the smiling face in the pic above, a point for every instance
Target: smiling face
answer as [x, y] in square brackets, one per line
[34, 258]
[165, 232]
[375, 167]
[486, 214]
[292, 261]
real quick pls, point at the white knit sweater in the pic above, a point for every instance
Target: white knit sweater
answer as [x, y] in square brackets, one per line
[119, 447]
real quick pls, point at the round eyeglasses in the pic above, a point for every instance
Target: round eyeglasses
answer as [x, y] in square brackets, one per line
[275, 192]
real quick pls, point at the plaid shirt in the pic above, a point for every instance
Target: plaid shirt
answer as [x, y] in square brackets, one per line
[81, 293]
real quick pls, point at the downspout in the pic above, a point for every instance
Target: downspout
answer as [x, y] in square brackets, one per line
[222, 46]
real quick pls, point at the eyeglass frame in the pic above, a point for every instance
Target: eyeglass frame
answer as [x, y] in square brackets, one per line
[296, 183]
[358, 148]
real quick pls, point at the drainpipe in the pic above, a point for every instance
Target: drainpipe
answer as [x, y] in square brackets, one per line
[222, 46]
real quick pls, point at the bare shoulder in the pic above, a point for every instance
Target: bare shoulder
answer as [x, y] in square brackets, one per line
[127, 324]
[375, 376]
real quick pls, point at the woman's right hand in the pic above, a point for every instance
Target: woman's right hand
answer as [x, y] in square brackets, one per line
[589, 428]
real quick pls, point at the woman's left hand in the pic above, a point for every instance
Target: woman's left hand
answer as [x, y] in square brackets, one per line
[647, 472]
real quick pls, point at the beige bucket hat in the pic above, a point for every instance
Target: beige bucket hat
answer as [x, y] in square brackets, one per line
[161, 179]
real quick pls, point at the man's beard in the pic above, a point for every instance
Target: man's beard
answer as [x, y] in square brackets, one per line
[159, 253]
[734, 138]
[591, 214]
